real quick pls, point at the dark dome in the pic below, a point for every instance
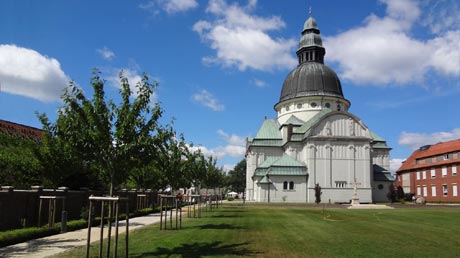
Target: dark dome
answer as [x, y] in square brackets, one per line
[311, 79]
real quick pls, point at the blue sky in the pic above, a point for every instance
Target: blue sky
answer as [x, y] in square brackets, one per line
[221, 64]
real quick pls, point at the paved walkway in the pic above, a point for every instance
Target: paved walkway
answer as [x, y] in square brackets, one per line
[52, 245]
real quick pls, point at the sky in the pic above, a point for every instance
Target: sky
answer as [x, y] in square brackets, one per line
[220, 64]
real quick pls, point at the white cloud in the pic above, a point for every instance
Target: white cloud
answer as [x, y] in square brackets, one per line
[383, 51]
[442, 15]
[236, 35]
[228, 167]
[169, 6]
[207, 99]
[395, 164]
[28, 73]
[175, 6]
[134, 77]
[259, 83]
[235, 147]
[106, 53]
[416, 140]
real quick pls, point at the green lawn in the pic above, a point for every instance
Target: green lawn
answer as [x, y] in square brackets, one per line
[302, 231]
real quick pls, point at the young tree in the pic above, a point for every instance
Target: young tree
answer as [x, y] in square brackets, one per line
[103, 139]
[237, 177]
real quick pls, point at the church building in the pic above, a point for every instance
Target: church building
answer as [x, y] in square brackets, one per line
[315, 140]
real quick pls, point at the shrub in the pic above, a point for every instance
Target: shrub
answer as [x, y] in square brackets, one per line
[230, 198]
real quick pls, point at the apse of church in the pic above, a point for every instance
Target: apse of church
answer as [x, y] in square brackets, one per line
[315, 140]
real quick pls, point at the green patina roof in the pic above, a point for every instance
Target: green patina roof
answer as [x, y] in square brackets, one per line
[268, 162]
[264, 180]
[269, 130]
[376, 137]
[381, 174]
[285, 165]
[307, 125]
[269, 142]
[293, 120]
[287, 161]
[287, 171]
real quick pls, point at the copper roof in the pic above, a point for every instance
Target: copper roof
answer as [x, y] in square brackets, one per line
[18, 130]
[431, 151]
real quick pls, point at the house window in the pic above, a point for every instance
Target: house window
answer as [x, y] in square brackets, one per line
[425, 191]
[419, 191]
[454, 170]
[444, 171]
[285, 185]
[444, 190]
[428, 160]
[454, 190]
[433, 190]
[418, 175]
[433, 173]
[291, 185]
[423, 174]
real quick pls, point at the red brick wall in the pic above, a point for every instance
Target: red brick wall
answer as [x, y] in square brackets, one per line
[437, 181]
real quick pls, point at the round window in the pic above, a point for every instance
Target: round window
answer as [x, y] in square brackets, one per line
[328, 105]
[380, 186]
[299, 106]
[287, 108]
[313, 104]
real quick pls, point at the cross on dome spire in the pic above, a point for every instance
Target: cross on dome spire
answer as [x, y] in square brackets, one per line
[309, 11]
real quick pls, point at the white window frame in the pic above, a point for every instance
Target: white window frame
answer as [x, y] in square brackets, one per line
[425, 191]
[454, 190]
[419, 190]
[433, 190]
[454, 169]
[444, 171]
[424, 174]
[433, 173]
[418, 175]
[445, 191]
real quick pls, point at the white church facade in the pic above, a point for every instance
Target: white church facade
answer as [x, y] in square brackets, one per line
[315, 140]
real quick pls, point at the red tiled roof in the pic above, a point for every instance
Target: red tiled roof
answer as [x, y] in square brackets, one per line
[433, 150]
[19, 130]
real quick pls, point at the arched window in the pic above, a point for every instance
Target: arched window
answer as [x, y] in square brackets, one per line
[291, 185]
[285, 185]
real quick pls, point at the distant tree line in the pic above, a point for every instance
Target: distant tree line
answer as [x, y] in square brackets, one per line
[100, 144]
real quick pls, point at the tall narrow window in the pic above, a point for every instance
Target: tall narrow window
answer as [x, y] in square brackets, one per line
[418, 175]
[425, 191]
[433, 190]
[444, 190]
[433, 173]
[424, 174]
[444, 171]
[419, 191]
[291, 185]
[285, 185]
[454, 190]
[454, 170]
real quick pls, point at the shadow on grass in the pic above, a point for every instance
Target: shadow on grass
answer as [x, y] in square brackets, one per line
[37, 245]
[197, 250]
[225, 216]
[218, 226]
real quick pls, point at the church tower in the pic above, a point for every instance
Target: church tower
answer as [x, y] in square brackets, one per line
[311, 86]
[315, 139]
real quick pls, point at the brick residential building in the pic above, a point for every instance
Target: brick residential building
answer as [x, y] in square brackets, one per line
[20, 131]
[432, 172]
